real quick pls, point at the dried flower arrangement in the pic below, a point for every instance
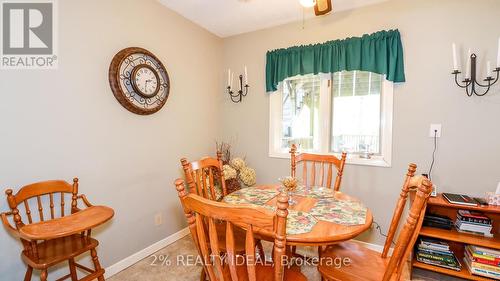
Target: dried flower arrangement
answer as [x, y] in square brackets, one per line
[235, 170]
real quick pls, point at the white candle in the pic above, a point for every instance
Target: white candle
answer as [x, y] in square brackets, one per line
[498, 55]
[229, 77]
[455, 61]
[246, 75]
[467, 69]
[488, 69]
[232, 78]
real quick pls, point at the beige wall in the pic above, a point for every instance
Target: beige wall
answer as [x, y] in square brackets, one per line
[467, 158]
[66, 122]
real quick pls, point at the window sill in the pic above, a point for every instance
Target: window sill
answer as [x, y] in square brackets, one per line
[375, 162]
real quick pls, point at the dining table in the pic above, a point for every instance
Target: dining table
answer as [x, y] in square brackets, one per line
[317, 216]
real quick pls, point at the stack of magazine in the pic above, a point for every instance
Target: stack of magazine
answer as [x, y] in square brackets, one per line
[482, 261]
[474, 223]
[438, 253]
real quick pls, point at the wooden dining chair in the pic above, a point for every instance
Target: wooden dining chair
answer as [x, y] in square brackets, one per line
[204, 175]
[232, 265]
[325, 163]
[368, 265]
[43, 254]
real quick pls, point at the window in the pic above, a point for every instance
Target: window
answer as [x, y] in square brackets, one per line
[330, 113]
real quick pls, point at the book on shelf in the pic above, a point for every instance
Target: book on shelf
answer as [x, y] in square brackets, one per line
[473, 227]
[434, 244]
[473, 217]
[449, 260]
[433, 252]
[459, 199]
[473, 223]
[436, 252]
[489, 235]
[485, 253]
[437, 221]
[478, 269]
[482, 261]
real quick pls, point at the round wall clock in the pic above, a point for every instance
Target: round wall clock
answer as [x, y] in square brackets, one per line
[139, 80]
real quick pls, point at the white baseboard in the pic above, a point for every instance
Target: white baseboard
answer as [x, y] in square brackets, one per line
[375, 247]
[142, 254]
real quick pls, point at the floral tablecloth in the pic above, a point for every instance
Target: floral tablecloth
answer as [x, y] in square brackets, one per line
[327, 207]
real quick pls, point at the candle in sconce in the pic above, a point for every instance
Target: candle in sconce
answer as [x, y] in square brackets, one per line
[455, 61]
[467, 69]
[232, 78]
[229, 77]
[488, 69]
[246, 75]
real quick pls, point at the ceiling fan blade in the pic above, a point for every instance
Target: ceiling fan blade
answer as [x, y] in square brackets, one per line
[322, 7]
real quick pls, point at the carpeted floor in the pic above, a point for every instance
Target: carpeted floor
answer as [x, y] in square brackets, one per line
[175, 262]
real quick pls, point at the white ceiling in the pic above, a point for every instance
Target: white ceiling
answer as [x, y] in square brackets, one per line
[230, 17]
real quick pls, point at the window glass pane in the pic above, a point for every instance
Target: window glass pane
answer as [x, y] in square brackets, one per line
[356, 112]
[300, 119]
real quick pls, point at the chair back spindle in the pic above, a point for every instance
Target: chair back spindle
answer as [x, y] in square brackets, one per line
[326, 164]
[201, 212]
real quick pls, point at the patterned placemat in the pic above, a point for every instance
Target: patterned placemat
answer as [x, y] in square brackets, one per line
[251, 195]
[339, 211]
[316, 192]
[297, 222]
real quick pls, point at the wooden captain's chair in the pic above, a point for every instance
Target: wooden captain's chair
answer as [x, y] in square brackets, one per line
[55, 234]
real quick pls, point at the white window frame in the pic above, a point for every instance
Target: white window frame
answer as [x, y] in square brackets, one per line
[325, 111]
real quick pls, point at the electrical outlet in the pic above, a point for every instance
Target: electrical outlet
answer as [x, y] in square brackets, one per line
[435, 129]
[158, 219]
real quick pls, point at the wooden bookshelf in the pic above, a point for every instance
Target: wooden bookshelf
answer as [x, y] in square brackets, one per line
[458, 240]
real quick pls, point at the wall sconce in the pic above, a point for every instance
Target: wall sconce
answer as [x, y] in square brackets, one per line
[470, 81]
[242, 92]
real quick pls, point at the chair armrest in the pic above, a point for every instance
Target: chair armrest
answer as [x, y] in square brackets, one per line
[85, 200]
[7, 225]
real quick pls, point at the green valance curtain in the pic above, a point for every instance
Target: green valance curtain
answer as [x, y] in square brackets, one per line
[380, 52]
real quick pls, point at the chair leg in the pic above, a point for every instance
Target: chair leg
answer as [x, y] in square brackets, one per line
[29, 272]
[203, 275]
[43, 275]
[72, 270]
[97, 265]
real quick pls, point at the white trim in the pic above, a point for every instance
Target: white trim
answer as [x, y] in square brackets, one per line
[144, 253]
[370, 246]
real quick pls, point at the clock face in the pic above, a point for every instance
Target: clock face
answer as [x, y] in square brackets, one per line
[139, 81]
[145, 80]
